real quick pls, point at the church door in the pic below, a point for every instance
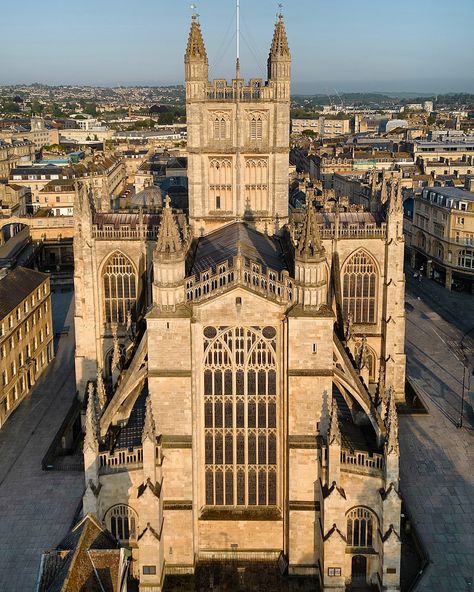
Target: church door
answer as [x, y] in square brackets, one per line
[359, 569]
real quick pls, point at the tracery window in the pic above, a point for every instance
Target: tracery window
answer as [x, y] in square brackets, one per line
[360, 288]
[122, 521]
[120, 291]
[240, 416]
[360, 528]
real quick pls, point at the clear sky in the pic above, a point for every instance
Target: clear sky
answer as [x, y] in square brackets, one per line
[348, 45]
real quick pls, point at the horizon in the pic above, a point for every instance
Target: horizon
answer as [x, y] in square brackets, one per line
[404, 61]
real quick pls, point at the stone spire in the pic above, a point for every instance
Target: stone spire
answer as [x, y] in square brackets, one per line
[334, 432]
[91, 424]
[309, 244]
[280, 47]
[149, 430]
[195, 47]
[101, 395]
[169, 237]
[392, 425]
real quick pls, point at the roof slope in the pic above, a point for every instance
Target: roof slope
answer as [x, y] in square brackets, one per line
[222, 245]
[16, 286]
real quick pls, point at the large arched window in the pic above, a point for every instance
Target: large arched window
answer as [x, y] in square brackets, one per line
[122, 521]
[120, 290]
[360, 528]
[360, 288]
[240, 416]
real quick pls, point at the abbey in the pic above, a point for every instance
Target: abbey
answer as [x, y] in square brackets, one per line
[242, 367]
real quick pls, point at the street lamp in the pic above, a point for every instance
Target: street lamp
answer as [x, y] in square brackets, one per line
[465, 367]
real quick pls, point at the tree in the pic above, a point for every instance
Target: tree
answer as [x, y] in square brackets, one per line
[37, 108]
[309, 133]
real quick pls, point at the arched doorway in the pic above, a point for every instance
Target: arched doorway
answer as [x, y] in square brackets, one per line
[359, 569]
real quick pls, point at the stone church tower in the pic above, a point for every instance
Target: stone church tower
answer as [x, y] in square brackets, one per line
[242, 367]
[238, 137]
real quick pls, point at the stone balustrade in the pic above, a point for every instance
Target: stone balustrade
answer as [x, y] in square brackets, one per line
[362, 461]
[110, 462]
[240, 271]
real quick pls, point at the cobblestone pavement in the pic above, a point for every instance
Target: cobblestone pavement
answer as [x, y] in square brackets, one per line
[437, 458]
[37, 507]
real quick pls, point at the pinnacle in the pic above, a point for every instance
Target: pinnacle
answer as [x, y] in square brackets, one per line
[392, 425]
[149, 425]
[310, 244]
[280, 47]
[334, 432]
[169, 237]
[196, 48]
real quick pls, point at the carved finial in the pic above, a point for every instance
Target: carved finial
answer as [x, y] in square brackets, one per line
[195, 47]
[101, 394]
[363, 357]
[116, 350]
[334, 432]
[280, 47]
[392, 446]
[169, 237]
[129, 321]
[91, 423]
[149, 425]
[349, 326]
[309, 244]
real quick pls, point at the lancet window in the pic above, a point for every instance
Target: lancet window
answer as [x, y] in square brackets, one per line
[360, 288]
[240, 416]
[120, 291]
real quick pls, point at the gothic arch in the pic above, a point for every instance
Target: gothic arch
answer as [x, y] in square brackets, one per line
[360, 285]
[362, 525]
[118, 287]
[240, 416]
[122, 521]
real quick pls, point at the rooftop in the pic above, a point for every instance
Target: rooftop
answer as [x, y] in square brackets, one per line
[16, 286]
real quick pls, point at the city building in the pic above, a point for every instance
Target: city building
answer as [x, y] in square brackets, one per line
[242, 369]
[12, 154]
[26, 334]
[324, 127]
[443, 235]
[57, 196]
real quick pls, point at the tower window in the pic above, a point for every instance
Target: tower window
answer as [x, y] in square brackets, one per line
[218, 202]
[256, 128]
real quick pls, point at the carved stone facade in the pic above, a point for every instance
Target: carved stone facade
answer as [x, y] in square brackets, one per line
[251, 377]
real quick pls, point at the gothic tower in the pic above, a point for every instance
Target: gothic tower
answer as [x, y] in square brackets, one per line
[238, 140]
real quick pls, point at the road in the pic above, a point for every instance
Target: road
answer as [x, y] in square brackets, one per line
[437, 457]
[37, 507]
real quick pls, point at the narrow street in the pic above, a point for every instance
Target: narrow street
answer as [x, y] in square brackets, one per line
[437, 457]
[37, 507]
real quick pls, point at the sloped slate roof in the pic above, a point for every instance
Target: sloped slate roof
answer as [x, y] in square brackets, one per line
[16, 286]
[221, 245]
